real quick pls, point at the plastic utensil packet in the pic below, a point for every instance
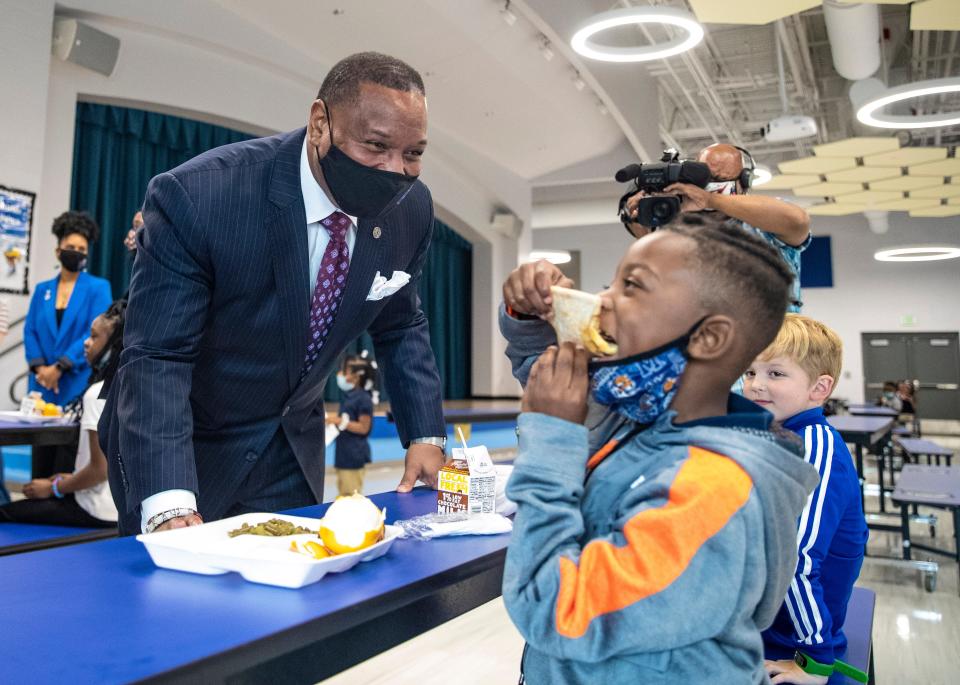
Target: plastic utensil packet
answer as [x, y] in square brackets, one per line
[460, 523]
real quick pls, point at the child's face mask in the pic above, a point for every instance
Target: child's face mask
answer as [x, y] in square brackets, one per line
[344, 384]
[640, 388]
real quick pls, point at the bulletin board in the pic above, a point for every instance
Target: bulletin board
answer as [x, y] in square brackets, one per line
[16, 224]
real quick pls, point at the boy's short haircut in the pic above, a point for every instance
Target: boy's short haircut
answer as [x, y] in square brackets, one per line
[741, 275]
[814, 346]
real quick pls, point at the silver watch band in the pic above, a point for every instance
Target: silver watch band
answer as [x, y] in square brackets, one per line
[165, 516]
[435, 441]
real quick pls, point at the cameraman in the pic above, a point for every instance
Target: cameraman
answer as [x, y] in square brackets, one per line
[783, 225]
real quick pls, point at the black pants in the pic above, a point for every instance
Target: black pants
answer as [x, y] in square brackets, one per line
[47, 460]
[52, 511]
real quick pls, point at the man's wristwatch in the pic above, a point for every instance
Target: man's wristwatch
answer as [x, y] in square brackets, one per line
[164, 516]
[436, 442]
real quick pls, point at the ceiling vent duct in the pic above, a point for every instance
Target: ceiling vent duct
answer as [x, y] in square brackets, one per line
[854, 33]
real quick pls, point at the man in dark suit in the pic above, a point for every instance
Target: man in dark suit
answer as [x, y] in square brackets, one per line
[257, 264]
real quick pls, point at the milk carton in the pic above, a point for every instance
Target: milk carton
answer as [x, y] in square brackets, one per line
[468, 483]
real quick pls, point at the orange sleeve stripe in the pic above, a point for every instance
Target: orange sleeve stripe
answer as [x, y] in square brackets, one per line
[601, 454]
[707, 491]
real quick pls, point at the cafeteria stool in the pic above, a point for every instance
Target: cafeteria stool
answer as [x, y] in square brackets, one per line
[858, 627]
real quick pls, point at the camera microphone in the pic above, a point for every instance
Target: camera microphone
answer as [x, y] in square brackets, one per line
[628, 173]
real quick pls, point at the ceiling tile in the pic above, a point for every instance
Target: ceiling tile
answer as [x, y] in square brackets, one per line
[940, 210]
[943, 190]
[906, 156]
[871, 197]
[935, 15]
[945, 167]
[748, 11]
[863, 174]
[902, 183]
[827, 189]
[817, 165]
[857, 147]
[906, 204]
[788, 181]
[835, 209]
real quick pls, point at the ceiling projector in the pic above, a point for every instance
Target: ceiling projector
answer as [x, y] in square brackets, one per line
[789, 127]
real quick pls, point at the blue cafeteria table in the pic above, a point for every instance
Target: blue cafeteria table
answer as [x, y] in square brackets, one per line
[28, 537]
[869, 432]
[121, 619]
[17, 433]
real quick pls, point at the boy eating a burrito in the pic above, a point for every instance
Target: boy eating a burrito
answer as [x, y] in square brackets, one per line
[654, 546]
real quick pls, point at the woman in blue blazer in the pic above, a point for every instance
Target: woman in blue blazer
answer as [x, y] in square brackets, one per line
[61, 312]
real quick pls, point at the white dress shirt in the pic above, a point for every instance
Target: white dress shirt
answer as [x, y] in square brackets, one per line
[318, 207]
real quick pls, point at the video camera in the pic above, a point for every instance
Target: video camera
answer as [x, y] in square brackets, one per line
[657, 210]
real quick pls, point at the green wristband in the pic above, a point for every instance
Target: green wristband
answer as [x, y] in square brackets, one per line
[810, 665]
[850, 671]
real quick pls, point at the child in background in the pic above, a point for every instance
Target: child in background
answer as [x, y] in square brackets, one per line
[657, 559]
[81, 498]
[792, 379]
[906, 397]
[358, 381]
[888, 398]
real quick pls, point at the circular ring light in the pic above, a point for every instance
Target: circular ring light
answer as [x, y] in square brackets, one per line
[869, 113]
[692, 34]
[761, 175]
[917, 254]
[552, 256]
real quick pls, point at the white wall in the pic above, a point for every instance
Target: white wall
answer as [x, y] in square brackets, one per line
[872, 296]
[197, 59]
[601, 248]
[867, 295]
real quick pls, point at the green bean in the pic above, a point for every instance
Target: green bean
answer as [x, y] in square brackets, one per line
[271, 528]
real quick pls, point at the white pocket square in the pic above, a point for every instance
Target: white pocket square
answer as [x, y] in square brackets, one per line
[382, 287]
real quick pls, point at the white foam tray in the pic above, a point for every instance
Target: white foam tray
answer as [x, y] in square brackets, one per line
[209, 550]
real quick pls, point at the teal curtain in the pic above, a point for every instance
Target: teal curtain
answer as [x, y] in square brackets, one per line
[446, 299]
[116, 151]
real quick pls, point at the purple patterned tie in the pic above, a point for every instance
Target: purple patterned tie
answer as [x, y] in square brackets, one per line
[331, 280]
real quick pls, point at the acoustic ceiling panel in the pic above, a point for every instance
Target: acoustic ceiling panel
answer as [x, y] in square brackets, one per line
[748, 11]
[942, 190]
[935, 15]
[906, 156]
[827, 189]
[902, 183]
[906, 204]
[871, 197]
[835, 209]
[817, 165]
[945, 167]
[788, 181]
[857, 147]
[863, 174]
[938, 211]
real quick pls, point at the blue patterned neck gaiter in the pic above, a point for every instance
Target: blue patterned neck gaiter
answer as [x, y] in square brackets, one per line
[641, 388]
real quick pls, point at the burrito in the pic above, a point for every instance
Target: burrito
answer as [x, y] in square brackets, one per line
[576, 319]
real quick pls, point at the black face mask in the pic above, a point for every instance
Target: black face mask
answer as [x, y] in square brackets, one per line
[72, 260]
[360, 190]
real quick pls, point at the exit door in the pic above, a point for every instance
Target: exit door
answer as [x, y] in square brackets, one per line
[931, 360]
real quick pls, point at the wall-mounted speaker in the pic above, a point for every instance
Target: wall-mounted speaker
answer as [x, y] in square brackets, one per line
[74, 41]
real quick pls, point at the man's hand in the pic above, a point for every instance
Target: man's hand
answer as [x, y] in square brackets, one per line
[38, 488]
[527, 288]
[787, 671]
[694, 198]
[558, 384]
[130, 242]
[421, 463]
[180, 522]
[49, 377]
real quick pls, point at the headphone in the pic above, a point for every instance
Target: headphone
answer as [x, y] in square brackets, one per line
[747, 172]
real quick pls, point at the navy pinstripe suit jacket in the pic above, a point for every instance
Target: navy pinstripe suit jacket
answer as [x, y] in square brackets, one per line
[217, 328]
